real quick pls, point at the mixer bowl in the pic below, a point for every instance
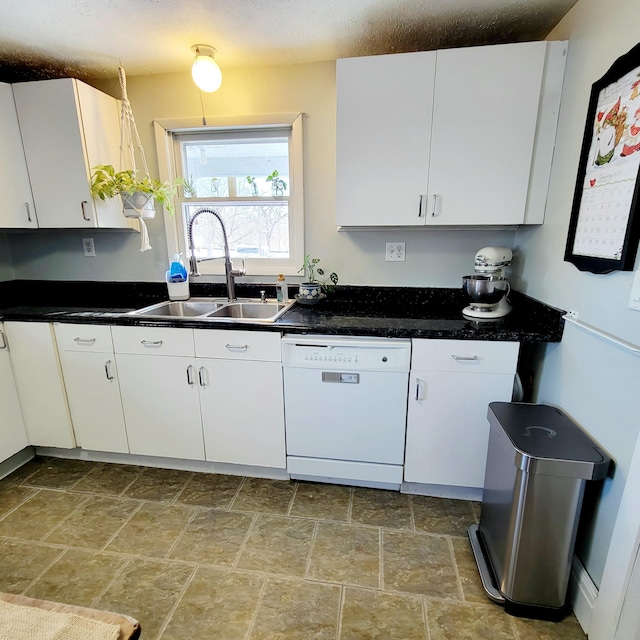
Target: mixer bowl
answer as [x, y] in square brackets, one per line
[484, 289]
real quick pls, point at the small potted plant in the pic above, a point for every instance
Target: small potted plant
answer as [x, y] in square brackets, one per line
[278, 185]
[138, 194]
[316, 283]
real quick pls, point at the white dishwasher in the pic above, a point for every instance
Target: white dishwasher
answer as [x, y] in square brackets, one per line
[346, 408]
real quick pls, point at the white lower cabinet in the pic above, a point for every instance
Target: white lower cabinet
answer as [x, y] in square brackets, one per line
[13, 436]
[451, 385]
[91, 381]
[241, 397]
[38, 377]
[159, 389]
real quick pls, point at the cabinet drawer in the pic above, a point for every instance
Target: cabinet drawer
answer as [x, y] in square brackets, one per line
[238, 345]
[465, 355]
[84, 337]
[153, 341]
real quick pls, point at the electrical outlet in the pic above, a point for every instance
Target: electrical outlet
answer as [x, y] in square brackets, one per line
[395, 252]
[89, 248]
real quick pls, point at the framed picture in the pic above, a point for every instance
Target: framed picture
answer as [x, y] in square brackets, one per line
[605, 222]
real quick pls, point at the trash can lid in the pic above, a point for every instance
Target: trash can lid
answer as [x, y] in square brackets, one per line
[549, 441]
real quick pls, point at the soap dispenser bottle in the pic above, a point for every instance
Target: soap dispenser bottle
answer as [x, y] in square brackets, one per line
[282, 290]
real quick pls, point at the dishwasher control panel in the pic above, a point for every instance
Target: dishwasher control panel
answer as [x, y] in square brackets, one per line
[346, 353]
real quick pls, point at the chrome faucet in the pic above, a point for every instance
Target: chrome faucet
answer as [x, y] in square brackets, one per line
[230, 272]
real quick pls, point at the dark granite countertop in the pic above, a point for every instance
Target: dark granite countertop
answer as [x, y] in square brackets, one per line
[406, 312]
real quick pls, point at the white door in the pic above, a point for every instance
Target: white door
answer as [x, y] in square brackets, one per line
[384, 117]
[243, 412]
[447, 427]
[161, 408]
[361, 418]
[37, 373]
[91, 381]
[13, 437]
[16, 201]
[484, 123]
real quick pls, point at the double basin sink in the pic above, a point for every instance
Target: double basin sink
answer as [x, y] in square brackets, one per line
[216, 309]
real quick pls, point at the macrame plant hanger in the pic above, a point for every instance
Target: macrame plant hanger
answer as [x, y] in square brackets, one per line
[129, 143]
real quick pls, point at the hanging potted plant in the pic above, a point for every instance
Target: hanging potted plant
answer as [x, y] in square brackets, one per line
[138, 194]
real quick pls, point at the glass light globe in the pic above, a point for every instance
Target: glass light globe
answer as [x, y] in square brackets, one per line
[206, 74]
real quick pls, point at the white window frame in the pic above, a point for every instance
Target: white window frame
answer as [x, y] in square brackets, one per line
[165, 132]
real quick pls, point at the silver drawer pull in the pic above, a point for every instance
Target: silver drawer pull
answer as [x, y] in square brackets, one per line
[190, 370]
[83, 206]
[202, 377]
[457, 358]
[3, 345]
[87, 341]
[26, 204]
[237, 347]
[107, 370]
[151, 343]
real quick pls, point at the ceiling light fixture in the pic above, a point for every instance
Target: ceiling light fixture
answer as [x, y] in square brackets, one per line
[205, 71]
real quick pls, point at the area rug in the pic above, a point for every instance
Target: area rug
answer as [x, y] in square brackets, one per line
[30, 623]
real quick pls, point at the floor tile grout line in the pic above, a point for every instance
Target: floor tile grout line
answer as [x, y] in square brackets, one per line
[116, 575]
[237, 493]
[67, 517]
[244, 542]
[174, 608]
[16, 507]
[350, 508]
[117, 532]
[340, 611]
[196, 511]
[254, 617]
[456, 569]
[44, 571]
[314, 535]
[412, 515]
[425, 617]
[184, 486]
[293, 497]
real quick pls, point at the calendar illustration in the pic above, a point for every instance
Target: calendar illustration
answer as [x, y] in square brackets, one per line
[605, 227]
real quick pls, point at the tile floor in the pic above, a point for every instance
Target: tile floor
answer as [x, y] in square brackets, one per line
[205, 556]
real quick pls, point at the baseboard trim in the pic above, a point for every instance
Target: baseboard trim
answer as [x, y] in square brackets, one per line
[583, 594]
[442, 491]
[16, 461]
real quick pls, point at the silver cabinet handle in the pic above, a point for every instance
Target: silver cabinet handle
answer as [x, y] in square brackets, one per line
[237, 347]
[87, 341]
[434, 205]
[83, 206]
[202, 376]
[190, 370]
[26, 204]
[420, 206]
[107, 370]
[458, 358]
[4, 340]
[419, 389]
[151, 343]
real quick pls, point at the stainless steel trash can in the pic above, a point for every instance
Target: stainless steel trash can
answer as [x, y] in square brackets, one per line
[538, 462]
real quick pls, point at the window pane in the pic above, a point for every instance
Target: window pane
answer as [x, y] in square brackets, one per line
[253, 230]
[242, 168]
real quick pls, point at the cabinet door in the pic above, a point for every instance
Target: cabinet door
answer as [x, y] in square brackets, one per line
[13, 437]
[243, 412]
[447, 427]
[161, 408]
[91, 381]
[484, 124]
[36, 369]
[384, 113]
[61, 151]
[16, 203]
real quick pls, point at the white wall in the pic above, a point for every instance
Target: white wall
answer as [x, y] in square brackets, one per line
[593, 381]
[434, 258]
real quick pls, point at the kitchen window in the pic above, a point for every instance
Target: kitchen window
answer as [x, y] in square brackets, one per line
[251, 175]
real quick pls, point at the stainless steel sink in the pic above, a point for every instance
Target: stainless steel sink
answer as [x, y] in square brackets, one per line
[250, 311]
[216, 309]
[173, 309]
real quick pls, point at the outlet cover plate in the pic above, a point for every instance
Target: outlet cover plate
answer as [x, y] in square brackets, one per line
[395, 252]
[88, 247]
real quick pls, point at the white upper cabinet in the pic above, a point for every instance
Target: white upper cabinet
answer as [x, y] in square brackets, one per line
[459, 137]
[68, 128]
[16, 203]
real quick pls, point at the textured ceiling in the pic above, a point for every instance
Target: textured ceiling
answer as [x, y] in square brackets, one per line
[87, 38]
